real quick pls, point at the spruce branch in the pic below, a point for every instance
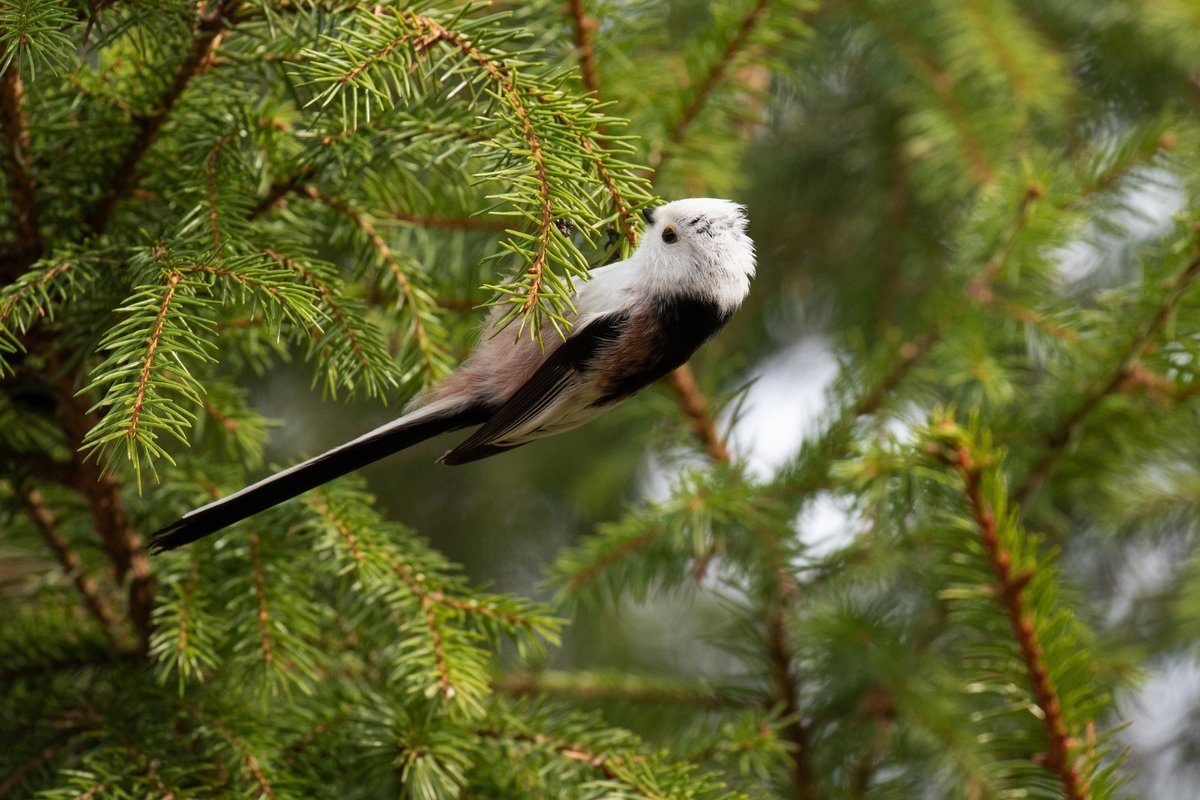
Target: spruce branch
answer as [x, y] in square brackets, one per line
[433, 360]
[278, 191]
[32, 296]
[66, 742]
[19, 158]
[694, 406]
[46, 522]
[1065, 432]
[980, 289]
[508, 89]
[1009, 594]
[208, 28]
[358, 353]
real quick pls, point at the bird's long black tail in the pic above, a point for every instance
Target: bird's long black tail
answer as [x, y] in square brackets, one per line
[381, 442]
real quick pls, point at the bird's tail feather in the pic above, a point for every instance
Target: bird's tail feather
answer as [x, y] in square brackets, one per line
[393, 437]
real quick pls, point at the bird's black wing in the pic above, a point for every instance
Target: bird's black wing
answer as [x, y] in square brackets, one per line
[543, 387]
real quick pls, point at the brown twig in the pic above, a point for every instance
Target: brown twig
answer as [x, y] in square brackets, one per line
[160, 321]
[208, 28]
[1065, 431]
[634, 545]
[1008, 593]
[279, 190]
[20, 166]
[981, 288]
[65, 741]
[50, 274]
[185, 604]
[47, 525]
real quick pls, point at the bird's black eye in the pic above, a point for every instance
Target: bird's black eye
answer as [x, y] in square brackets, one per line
[669, 235]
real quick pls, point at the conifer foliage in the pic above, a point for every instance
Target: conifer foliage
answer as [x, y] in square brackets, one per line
[195, 193]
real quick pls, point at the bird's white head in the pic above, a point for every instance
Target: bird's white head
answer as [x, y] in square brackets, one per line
[699, 247]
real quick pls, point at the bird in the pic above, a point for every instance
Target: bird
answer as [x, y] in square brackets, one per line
[632, 322]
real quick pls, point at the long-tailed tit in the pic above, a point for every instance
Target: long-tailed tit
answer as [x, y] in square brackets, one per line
[634, 321]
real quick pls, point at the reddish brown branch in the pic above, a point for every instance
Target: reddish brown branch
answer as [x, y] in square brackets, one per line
[47, 525]
[1008, 594]
[1067, 429]
[185, 604]
[160, 321]
[214, 156]
[20, 164]
[279, 190]
[582, 27]
[981, 288]
[47, 754]
[322, 508]
[208, 29]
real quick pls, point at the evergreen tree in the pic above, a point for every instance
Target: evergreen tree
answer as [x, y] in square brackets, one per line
[986, 210]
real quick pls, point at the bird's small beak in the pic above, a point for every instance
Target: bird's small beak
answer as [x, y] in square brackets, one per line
[648, 215]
